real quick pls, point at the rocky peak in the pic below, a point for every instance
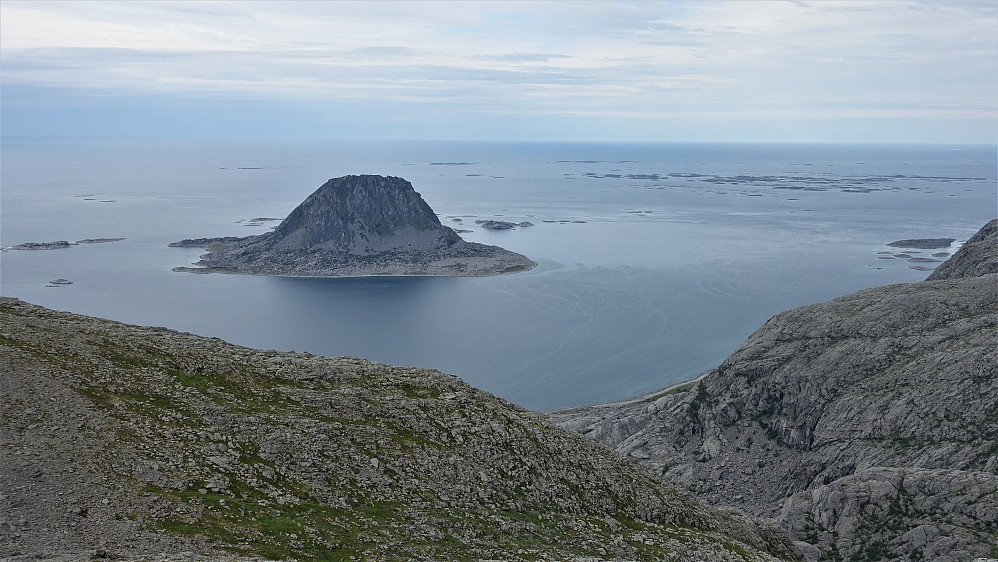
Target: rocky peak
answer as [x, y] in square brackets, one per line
[362, 214]
[978, 256]
[356, 226]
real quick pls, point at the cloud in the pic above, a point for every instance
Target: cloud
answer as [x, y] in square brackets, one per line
[693, 58]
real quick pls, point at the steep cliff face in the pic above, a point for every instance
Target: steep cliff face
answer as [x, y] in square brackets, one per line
[145, 442]
[357, 226]
[363, 214]
[800, 420]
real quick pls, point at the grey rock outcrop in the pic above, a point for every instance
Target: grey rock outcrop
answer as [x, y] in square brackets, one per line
[147, 443]
[361, 215]
[57, 245]
[935, 514]
[204, 242]
[923, 243]
[357, 226]
[502, 225]
[977, 256]
[856, 421]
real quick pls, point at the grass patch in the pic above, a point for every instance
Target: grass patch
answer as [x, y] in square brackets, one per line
[210, 384]
[675, 390]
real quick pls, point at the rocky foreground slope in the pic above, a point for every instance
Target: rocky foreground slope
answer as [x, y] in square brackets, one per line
[868, 425]
[138, 441]
[357, 226]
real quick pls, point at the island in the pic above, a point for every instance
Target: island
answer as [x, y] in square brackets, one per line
[59, 244]
[923, 243]
[502, 225]
[357, 226]
[99, 240]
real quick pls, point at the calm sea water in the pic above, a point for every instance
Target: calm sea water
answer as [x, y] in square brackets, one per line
[656, 260]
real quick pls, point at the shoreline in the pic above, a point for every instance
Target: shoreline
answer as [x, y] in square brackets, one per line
[643, 398]
[217, 269]
[468, 259]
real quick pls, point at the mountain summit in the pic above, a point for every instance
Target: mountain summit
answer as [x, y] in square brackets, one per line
[362, 215]
[357, 226]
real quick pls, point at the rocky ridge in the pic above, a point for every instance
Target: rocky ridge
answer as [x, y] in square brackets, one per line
[357, 226]
[145, 443]
[868, 425]
[977, 256]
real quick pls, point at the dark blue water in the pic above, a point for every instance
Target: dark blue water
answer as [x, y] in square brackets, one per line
[656, 261]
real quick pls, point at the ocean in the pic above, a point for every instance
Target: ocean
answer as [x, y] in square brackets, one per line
[655, 261]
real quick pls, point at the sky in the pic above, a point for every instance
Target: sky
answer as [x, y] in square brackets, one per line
[730, 71]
